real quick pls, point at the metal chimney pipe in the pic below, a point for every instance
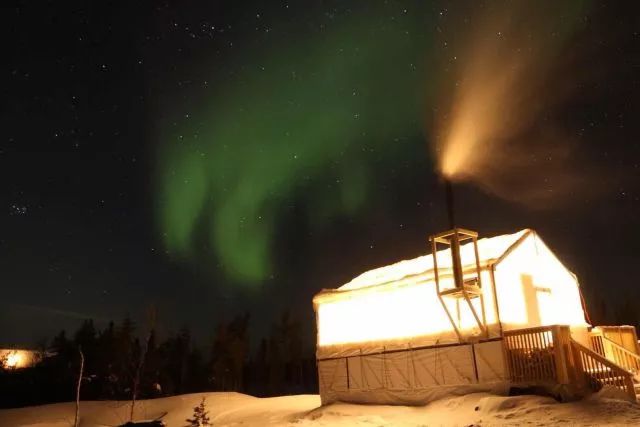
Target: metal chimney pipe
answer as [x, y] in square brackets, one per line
[450, 204]
[456, 262]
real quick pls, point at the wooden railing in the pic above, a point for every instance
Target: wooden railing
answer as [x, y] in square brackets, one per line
[597, 344]
[616, 353]
[596, 370]
[548, 354]
[531, 355]
[624, 336]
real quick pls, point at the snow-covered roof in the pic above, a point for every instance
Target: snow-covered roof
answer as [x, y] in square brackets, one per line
[489, 251]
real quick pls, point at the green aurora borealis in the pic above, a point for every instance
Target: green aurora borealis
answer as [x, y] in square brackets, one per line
[311, 117]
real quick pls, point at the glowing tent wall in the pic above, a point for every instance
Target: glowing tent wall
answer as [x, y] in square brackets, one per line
[401, 315]
[534, 288]
[384, 337]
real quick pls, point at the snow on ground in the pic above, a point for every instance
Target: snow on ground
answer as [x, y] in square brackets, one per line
[234, 409]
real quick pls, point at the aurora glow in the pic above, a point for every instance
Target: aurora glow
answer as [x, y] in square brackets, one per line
[309, 117]
[312, 116]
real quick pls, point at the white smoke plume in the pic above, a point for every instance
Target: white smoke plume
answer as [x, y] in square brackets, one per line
[502, 123]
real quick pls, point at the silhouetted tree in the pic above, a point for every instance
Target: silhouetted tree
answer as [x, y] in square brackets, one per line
[174, 353]
[86, 339]
[229, 354]
[60, 367]
[114, 355]
[196, 372]
[106, 362]
[150, 380]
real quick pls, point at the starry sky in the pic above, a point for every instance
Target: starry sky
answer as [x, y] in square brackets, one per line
[216, 157]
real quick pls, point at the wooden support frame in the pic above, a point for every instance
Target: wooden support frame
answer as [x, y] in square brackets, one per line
[461, 290]
[434, 250]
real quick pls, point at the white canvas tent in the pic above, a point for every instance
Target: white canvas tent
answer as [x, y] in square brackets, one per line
[385, 336]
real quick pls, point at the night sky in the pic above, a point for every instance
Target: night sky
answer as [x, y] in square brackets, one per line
[217, 157]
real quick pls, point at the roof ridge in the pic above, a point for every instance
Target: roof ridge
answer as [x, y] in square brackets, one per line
[376, 275]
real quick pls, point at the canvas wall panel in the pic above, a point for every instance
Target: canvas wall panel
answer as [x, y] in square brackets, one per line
[443, 366]
[373, 371]
[490, 361]
[356, 375]
[426, 370]
[411, 376]
[457, 364]
[398, 372]
[332, 374]
[367, 372]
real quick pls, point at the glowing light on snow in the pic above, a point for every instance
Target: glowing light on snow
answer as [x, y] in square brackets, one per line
[14, 359]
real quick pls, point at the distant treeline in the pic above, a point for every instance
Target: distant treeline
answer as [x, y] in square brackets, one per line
[279, 365]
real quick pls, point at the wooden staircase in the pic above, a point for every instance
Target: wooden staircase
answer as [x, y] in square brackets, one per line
[596, 371]
[549, 355]
[619, 355]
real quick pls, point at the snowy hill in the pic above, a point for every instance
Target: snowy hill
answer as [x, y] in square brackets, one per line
[234, 409]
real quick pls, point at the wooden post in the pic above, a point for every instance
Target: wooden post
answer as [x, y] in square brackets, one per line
[635, 340]
[561, 337]
[631, 391]
[496, 307]
[578, 369]
[434, 251]
[475, 364]
[507, 356]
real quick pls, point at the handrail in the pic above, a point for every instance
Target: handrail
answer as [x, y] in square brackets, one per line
[615, 352]
[595, 368]
[623, 333]
[597, 344]
[630, 361]
[528, 330]
[609, 364]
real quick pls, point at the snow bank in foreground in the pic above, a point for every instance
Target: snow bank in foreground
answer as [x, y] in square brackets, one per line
[234, 409]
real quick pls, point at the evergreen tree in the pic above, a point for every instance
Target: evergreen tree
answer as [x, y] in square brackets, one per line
[220, 365]
[105, 360]
[238, 350]
[86, 339]
[200, 416]
[150, 381]
[60, 368]
[260, 369]
[86, 335]
[126, 350]
[275, 363]
[174, 353]
[196, 373]
[229, 354]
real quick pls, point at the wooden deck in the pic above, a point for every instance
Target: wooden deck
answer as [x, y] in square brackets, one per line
[548, 355]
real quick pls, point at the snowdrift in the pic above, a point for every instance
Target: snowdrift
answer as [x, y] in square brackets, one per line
[234, 409]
